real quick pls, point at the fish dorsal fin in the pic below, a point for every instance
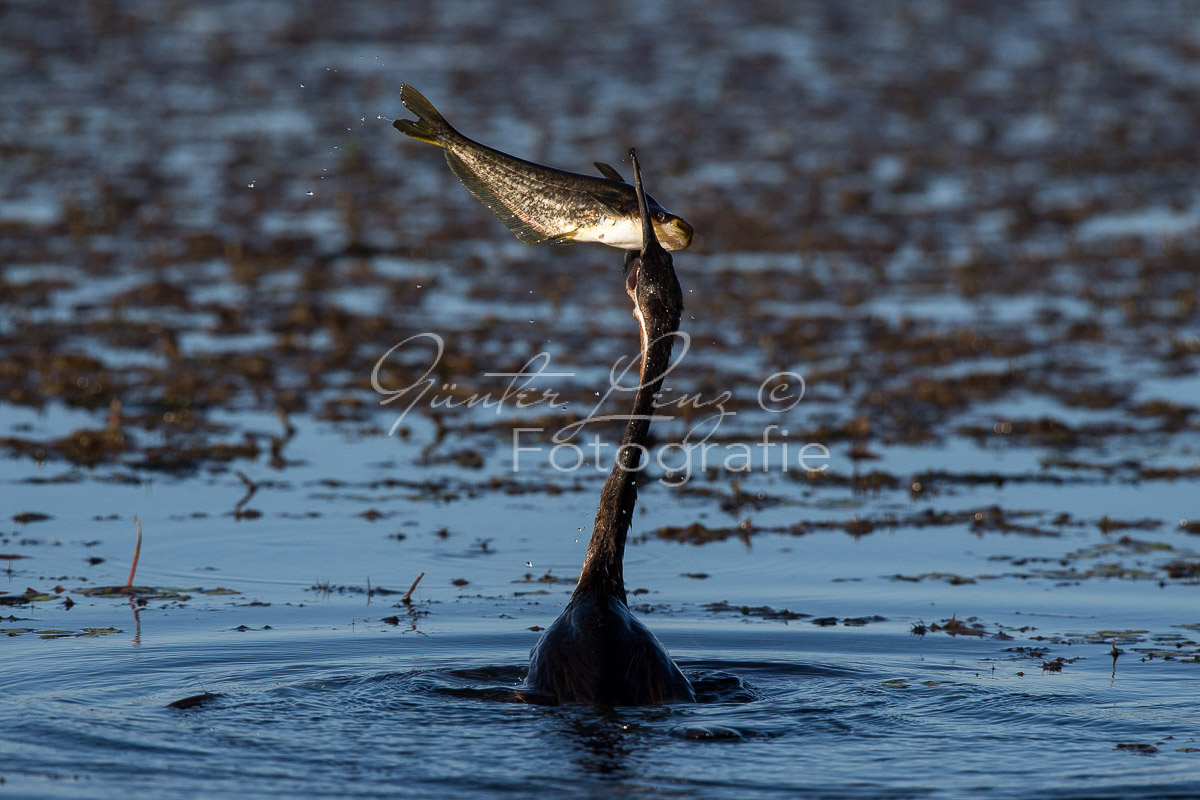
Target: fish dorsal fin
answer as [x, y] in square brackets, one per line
[607, 171]
[520, 228]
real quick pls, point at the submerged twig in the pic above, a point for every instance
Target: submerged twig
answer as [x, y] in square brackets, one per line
[114, 415]
[289, 430]
[251, 488]
[279, 442]
[137, 552]
[440, 430]
[407, 599]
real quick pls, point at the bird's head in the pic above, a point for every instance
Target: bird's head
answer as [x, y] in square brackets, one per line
[652, 282]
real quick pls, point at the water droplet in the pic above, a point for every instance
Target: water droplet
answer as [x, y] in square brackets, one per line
[310, 194]
[250, 185]
[302, 86]
[529, 563]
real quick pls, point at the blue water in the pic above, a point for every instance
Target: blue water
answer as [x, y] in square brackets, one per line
[317, 693]
[365, 711]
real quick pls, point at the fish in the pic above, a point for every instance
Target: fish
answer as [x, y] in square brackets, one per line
[539, 203]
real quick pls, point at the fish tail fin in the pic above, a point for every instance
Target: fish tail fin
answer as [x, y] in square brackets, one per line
[430, 126]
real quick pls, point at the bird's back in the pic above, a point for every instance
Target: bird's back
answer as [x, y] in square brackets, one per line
[598, 652]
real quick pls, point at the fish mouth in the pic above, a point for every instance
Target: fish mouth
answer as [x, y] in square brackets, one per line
[673, 234]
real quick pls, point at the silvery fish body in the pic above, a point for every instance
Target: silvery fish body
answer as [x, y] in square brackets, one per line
[540, 203]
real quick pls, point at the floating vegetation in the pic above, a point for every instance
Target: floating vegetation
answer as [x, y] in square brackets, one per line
[696, 533]
[1057, 664]
[55, 633]
[955, 627]
[759, 612]
[1183, 570]
[950, 578]
[26, 517]
[548, 577]
[146, 593]
[324, 587]
[29, 596]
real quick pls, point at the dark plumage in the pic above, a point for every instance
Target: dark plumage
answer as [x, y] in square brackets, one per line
[596, 651]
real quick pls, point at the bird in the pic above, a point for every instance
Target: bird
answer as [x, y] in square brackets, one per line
[596, 651]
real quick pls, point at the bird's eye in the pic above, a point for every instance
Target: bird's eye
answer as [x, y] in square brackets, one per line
[661, 217]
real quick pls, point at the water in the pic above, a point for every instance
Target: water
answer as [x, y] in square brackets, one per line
[340, 714]
[321, 706]
[979, 255]
[322, 688]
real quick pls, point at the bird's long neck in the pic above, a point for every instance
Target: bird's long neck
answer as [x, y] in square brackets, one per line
[603, 566]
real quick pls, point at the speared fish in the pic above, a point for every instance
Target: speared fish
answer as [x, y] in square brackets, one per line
[538, 203]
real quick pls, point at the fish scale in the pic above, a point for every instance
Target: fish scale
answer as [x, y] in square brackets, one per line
[540, 203]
